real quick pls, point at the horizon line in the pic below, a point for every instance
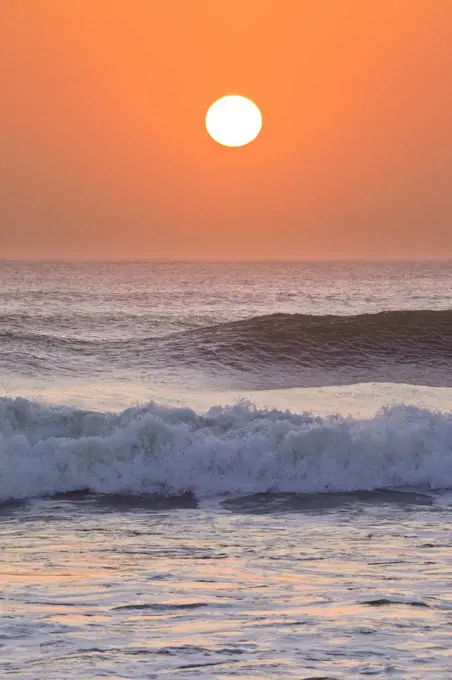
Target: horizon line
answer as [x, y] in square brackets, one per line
[215, 260]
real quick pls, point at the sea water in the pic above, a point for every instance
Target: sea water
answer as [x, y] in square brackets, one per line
[225, 470]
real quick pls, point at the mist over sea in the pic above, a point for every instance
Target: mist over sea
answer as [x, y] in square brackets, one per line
[226, 469]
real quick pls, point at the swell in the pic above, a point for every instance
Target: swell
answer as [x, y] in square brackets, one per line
[405, 335]
[294, 349]
[152, 449]
[307, 350]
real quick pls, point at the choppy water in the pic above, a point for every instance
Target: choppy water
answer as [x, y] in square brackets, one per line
[225, 470]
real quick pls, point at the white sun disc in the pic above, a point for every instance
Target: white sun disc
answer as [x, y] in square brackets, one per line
[233, 120]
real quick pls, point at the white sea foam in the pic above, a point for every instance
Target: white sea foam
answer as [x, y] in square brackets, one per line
[237, 449]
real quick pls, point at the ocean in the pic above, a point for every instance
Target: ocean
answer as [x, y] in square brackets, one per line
[226, 470]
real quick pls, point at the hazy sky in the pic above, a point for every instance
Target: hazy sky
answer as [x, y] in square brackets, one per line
[104, 153]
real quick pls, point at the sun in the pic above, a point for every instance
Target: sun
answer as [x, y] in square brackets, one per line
[233, 120]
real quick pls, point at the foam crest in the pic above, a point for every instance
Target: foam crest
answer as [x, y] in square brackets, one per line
[237, 449]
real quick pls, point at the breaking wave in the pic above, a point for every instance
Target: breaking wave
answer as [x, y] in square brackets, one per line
[45, 450]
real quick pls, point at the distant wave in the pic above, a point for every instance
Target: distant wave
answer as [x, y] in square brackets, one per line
[280, 349]
[152, 449]
[404, 335]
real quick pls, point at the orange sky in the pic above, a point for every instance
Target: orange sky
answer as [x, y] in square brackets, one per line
[104, 153]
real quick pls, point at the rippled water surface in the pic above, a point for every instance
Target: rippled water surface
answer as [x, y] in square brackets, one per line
[257, 587]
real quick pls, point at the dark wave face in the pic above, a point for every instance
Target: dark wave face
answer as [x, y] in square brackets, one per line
[278, 350]
[407, 336]
[406, 346]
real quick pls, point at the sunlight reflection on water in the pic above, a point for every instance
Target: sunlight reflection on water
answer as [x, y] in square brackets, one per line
[222, 589]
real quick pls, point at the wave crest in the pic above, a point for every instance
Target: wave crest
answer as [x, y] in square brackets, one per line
[404, 335]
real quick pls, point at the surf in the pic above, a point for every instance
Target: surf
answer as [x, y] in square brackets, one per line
[236, 449]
